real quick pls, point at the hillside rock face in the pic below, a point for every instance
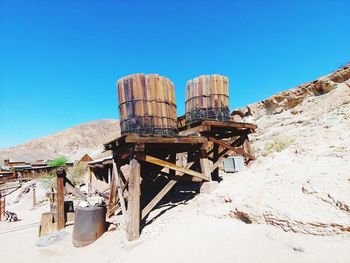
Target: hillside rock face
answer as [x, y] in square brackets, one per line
[301, 179]
[289, 99]
[72, 143]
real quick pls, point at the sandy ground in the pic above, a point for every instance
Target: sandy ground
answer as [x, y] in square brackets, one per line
[184, 233]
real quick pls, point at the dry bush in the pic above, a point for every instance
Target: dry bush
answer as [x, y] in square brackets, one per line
[278, 144]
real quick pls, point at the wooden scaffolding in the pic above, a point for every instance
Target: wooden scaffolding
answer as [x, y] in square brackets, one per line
[153, 165]
[225, 138]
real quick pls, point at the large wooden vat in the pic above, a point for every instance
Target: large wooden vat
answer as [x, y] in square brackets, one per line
[147, 105]
[207, 98]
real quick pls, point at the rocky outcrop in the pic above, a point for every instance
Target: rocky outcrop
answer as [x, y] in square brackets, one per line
[291, 98]
[300, 181]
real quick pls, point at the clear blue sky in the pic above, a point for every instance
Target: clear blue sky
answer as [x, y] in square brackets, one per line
[59, 60]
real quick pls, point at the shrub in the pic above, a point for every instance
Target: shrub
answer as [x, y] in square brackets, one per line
[76, 173]
[60, 161]
[278, 144]
[48, 181]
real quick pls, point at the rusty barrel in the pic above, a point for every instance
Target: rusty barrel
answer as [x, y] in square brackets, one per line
[207, 98]
[147, 105]
[89, 225]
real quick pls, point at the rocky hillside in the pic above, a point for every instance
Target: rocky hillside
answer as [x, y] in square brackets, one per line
[72, 143]
[291, 98]
[300, 181]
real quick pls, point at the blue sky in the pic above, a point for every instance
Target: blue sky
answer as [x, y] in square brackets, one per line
[59, 60]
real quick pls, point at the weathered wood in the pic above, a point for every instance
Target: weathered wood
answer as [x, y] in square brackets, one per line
[2, 208]
[235, 149]
[204, 163]
[147, 102]
[70, 188]
[134, 138]
[48, 224]
[113, 191]
[34, 197]
[208, 125]
[214, 170]
[157, 198]
[60, 202]
[162, 193]
[172, 166]
[120, 189]
[207, 95]
[134, 216]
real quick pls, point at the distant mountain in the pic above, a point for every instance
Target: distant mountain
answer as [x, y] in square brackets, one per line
[72, 143]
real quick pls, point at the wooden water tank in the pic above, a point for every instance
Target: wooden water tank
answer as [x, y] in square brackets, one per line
[207, 98]
[147, 105]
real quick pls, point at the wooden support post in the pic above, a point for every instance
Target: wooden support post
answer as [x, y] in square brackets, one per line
[204, 162]
[61, 174]
[120, 189]
[34, 197]
[2, 208]
[134, 216]
[215, 174]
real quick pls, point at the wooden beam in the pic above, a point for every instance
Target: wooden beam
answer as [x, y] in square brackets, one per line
[162, 193]
[132, 138]
[230, 124]
[154, 160]
[229, 147]
[73, 190]
[133, 213]
[113, 190]
[120, 189]
[157, 198]
[204, 163]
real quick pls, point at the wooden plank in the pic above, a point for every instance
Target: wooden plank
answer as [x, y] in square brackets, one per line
[113, 191]
[157, 198]
[162, 193]
[133, 138]
[230, 124]
[133, 213]
[172, 166]
[120, 189]
[229, 147]
[74, 191]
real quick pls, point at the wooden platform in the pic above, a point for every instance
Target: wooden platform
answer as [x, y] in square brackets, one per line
[153, 165]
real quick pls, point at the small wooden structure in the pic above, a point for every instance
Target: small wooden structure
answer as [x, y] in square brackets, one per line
[148, 158]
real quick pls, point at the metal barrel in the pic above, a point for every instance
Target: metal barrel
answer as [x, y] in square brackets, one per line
[147, 105]
[89, 225]
[207, 98]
